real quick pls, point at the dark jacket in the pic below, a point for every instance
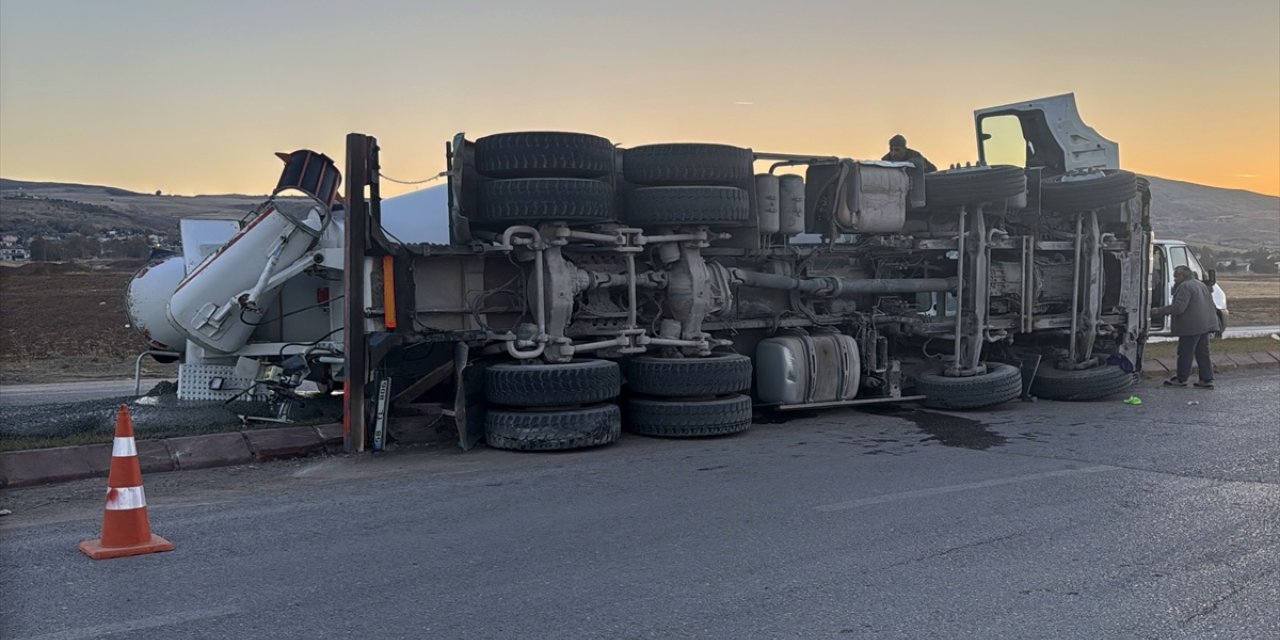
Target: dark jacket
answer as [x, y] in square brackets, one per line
[1192, 311]
[916, 157]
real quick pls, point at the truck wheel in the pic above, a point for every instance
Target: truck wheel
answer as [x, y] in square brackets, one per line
[677, 206]
[546, 385]
[689, 377]
[1001, 383]
[687, 164]
[544, 199]
[689, 418]
[973, 185]
[1222, 326]
[544, 154]
[552, 430]
[1099, 382]
[1084, 193]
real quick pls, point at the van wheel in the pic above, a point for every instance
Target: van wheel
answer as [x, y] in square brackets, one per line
[689, 418]
[1222, 326]
[1096, 383]
[552, 430]
[1001, 383]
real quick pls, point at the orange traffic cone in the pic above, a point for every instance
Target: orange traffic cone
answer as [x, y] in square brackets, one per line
[125, 529]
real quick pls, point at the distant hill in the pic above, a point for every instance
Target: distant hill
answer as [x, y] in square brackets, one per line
[29, 208]
[1211, 216]
[1201, 215]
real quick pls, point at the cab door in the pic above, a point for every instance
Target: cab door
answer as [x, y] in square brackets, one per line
[1161, 286]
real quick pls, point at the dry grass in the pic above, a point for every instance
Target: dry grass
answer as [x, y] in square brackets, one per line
[1252, 300]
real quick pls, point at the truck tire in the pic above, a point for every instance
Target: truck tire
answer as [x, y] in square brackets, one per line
[1099, 382]
[548, 385]
[1219, 334]
[689, 377]
[973, 185]
[689, 418]
[544, 199]
[1001, 383]
[544, 154]
[1110, 187]
[552, 430]
[675, 206]
[687, 164]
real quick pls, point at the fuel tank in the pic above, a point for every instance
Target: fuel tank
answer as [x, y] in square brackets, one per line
[802, 368]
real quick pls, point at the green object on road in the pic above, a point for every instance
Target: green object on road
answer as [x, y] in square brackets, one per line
[1133, 400]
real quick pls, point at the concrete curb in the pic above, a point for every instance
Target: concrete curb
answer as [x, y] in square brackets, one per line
[63, 464]
[1158, 368]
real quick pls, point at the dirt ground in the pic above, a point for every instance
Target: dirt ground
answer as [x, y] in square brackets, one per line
[66, 321]
[1252, 300]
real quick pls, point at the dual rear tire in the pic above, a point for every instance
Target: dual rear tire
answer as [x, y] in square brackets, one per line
[689, 397]
[544, 176]
[552, 407]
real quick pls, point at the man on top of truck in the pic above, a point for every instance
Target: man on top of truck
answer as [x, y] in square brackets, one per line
[899, 152]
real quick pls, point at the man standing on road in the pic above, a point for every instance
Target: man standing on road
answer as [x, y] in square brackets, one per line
[1194, 320]
[899, 152]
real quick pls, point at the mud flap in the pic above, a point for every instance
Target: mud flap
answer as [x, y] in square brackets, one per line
[468, 400]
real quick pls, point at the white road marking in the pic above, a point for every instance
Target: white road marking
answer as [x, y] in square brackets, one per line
[153, 622]
[922, 493]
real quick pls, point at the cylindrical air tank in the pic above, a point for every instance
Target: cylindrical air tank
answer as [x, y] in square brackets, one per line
[791, 204]
[767, 199]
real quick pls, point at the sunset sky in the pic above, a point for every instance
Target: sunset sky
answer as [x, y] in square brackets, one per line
[195, 96]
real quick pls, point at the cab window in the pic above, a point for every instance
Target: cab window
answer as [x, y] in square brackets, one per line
[1003, 142]
[1179, 257]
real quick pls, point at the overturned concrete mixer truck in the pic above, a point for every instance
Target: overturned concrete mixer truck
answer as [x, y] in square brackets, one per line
[560, 288]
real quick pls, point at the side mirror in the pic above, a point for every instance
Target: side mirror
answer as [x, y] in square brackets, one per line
[1211, 277]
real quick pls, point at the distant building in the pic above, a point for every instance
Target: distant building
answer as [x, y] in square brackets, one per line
[1234, 266]
[14, 254]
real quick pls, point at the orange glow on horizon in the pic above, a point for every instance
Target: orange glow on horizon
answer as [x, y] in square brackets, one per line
[190, 99]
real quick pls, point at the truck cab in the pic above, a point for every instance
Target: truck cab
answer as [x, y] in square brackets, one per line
[1166, 256]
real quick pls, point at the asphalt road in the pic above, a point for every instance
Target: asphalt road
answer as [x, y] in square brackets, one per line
[20, 395]
[1043, 520]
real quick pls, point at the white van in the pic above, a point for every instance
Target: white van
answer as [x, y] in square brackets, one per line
[1169, 254]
